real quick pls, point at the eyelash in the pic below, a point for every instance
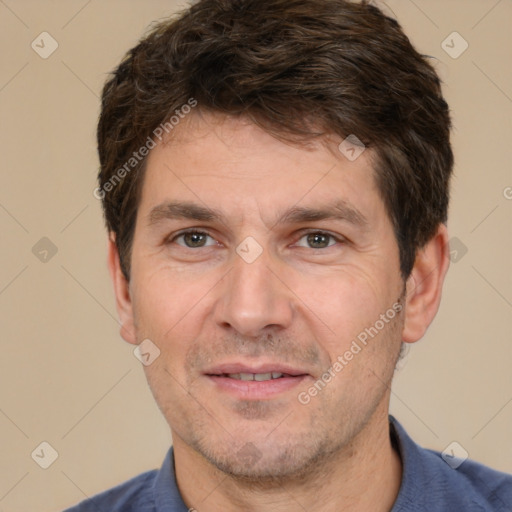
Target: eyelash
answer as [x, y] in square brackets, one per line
[338, 239]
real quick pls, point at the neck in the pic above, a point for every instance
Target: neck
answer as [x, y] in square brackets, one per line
[364, 477]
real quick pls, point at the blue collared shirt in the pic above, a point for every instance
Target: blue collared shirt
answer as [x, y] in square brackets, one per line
[429, 484]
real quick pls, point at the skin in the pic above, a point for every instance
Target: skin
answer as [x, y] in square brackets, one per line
[301, 302]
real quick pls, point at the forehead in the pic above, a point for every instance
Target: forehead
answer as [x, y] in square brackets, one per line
[232, 164]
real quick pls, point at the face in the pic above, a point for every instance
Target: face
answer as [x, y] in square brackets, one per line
[258, 268]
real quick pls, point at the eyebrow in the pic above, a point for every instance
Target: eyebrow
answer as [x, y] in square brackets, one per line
[339, 210]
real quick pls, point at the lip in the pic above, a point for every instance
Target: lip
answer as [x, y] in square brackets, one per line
[226, 368]
[255, 390]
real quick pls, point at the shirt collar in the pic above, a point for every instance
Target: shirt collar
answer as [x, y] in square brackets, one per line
[165, 488]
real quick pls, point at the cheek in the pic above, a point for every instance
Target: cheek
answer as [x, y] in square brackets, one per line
[347, 300]
[167, 303]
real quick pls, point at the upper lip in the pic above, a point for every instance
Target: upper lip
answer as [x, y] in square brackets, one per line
[227, 368]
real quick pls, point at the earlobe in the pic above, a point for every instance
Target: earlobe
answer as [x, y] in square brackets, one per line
[424, 285]
[122, 291]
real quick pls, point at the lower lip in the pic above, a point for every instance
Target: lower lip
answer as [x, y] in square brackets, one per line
[256, 390]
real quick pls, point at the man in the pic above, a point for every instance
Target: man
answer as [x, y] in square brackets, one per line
[275, 178]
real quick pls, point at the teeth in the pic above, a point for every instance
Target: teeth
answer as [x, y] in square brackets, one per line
[262, 376]
[255, 376]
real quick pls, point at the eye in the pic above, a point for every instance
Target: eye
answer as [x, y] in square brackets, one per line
[318, 240]
[193, 239]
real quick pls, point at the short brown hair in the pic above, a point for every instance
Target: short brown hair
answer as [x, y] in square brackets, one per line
[300, 69]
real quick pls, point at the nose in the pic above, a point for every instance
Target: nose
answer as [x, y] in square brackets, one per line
[253, 298]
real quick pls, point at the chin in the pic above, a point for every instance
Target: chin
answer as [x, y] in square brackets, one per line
[263, 464]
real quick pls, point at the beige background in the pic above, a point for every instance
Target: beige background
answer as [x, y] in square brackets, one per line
[67, 378]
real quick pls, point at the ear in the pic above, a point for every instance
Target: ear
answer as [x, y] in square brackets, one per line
[122, 291]
[424, 285]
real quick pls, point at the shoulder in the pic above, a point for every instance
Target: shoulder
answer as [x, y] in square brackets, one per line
[484, 488]
[134, 495]
[148, 492]
[433, 481]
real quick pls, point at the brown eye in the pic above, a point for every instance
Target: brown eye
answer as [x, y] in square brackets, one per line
[318, 240]
[193, 239]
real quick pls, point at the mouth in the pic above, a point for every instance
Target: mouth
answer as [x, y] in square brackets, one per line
[263, 382]
[259, 377]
